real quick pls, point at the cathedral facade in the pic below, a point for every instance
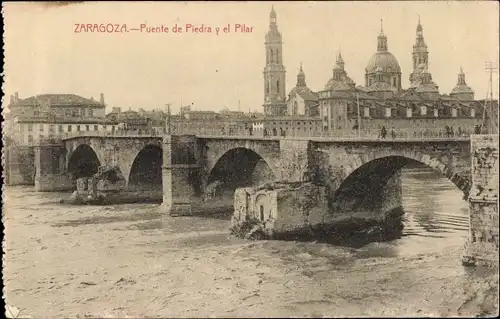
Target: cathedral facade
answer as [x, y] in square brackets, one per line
[380, 102]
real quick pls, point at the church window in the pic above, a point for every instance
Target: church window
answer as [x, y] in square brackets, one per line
[277, 56]
[278, 86]
[272, 55]
[394, 82]
[370, 82]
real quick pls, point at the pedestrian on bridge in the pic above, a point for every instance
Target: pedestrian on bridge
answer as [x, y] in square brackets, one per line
[383, 132]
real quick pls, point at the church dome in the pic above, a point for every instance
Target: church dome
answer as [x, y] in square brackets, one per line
[385, 60]
[461, 86]
[344, 83]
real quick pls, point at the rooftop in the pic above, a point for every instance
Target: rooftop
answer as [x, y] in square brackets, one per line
[52, 100]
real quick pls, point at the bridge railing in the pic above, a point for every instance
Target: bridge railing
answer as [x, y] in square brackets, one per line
[399, 134]
[117, 133]
[371, 134]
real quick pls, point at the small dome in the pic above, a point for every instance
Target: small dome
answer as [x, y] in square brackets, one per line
[384, 59]
[462, 89]
[345, 83]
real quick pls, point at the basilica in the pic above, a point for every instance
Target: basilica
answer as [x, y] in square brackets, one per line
[380, 101]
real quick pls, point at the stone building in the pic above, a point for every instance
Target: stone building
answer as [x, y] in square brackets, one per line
[281, 207]
[51, 115]
[301, 99]
[381, 102]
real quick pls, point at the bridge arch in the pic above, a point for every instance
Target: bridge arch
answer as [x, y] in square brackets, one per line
[236, 167]
[83, 161]
[379, 167]
[146, 167]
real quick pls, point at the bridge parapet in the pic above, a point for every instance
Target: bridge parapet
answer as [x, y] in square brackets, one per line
[362, 135]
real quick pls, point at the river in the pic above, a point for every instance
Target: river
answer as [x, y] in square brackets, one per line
[132, 261]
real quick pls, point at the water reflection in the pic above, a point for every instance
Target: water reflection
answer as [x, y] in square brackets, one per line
[433, 205]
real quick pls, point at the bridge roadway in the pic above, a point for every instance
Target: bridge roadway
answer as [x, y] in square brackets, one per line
[364, 136]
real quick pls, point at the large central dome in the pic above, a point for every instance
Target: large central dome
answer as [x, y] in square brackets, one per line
[385, 60]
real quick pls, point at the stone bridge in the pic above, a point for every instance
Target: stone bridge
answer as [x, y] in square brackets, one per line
[357, 174]
[334, 163]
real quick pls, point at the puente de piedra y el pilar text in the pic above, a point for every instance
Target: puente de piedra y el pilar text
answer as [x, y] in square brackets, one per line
[358, 174]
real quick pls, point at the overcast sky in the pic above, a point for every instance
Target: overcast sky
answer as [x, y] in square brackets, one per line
[43, 54]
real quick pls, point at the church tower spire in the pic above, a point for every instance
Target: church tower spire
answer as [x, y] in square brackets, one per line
[420, 55]
[382, 39]
[301, 77]
[462, 91]
[274, 71]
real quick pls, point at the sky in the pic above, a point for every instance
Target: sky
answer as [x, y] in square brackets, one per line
[44, 54]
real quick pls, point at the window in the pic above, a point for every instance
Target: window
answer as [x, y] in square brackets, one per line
[60, 128]
[87, 128]
[340, 118]
[112, 128]
[78, 128]
[41, 127]
[261, 208]
[104, 127]
[70, 128]
[278, 86]
[96, 128]
[41, 136]
[30, 128]
[51, 128]
[82, 112]
[91, 113]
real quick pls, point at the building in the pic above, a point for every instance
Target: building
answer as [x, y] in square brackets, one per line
[286, 126]
[44, 116]
[381, 102]
[301, 99]
[274, 71]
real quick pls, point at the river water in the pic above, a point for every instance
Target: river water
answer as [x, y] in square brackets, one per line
[132, 261]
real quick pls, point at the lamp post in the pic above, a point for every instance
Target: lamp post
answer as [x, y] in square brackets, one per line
[167, 120]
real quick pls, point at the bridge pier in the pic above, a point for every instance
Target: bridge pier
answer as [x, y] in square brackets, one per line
[19, 165]
[180, 174]
[482, 245]
[50, 167]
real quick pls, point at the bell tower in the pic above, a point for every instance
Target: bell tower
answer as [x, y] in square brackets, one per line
[274, 71]
[420, 55]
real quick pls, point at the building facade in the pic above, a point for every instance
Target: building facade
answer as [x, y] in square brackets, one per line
[381, 102]
[45, 116]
